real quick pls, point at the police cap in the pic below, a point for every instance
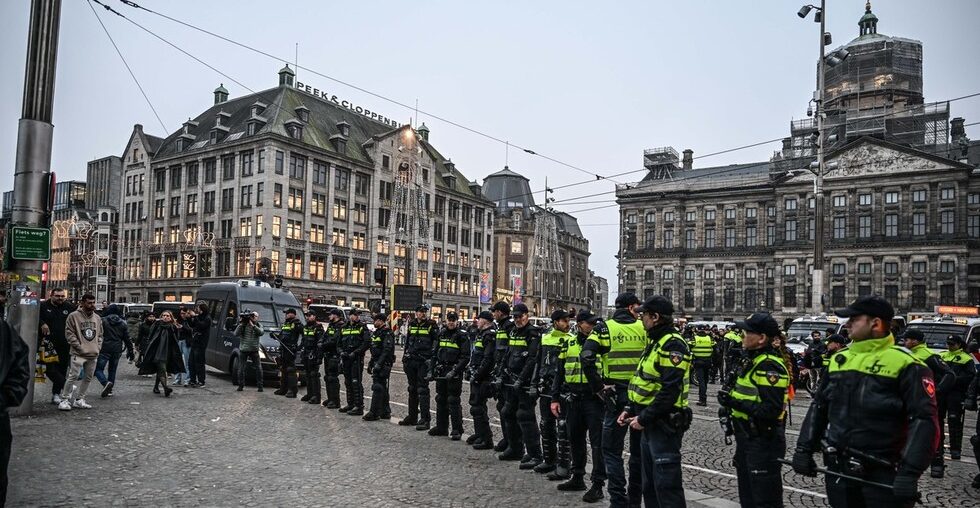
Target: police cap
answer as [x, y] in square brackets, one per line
[485, 315]
[955, 339]
[501, 306]
[872, 306]
[452, 316]
[380, 317]
[587, 317]
[914, 334]
[559, 315]
[760, 322]
[519, 310]
[337, 312]
[840, 339]
[658, 305]
[421, 308]
[290, 311]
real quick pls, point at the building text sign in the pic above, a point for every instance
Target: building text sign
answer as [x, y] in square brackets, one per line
[323, 94]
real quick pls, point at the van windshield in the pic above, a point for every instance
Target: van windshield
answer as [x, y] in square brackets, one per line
[936, 333]
[267, 314]
[801, 330]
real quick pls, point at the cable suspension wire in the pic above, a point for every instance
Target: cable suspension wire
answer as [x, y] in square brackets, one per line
[128, 68]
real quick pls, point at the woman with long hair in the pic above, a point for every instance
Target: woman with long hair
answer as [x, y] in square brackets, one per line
[162, 352]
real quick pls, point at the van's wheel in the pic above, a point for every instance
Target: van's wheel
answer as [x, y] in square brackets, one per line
[233, 368]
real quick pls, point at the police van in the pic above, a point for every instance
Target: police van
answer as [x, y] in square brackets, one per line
[799, 331]
[227, 302]
[936, 329]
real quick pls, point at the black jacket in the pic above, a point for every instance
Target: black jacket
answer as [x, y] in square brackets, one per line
[382, 348]
[15, 370]
[521, 359]
[200, 327]
[355, 339]
[291, 333]
[115, 335]
[450, 361]
[162, 347]
[420, 339]
[311, 344]
[55, 317]
[330, 339]
[482, 360]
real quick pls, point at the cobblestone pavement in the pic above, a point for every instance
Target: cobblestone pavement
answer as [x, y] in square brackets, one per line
[214, 446]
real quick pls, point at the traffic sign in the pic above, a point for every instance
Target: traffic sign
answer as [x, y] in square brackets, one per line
[30, 244]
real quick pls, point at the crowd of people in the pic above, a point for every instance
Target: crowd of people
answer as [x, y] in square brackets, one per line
[563, 393]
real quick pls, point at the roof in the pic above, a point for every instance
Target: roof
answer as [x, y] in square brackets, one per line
[460, 184]
[568, 224]
[731, 171]
[508, 190]
[153, 143]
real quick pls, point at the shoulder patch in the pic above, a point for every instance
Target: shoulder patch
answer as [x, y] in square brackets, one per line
[676, 357]
[772, 376]
[929, 386]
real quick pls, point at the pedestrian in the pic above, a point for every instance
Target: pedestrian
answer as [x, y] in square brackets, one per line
[914, 340]
[15, 374]
[419, 343]
[83, 331]
[702, 347]
[143, 336]
[479, 372]
[200, 327]
[162, 355]
[950, 403]
[116, 339]
[756, 406]
[452, 354]
[574, 402]
[971, 405]
[523, 347]
[184, 337]
[382, 359]
[289, 341]
[310, 354]
[329, 344]
[890, 420]
[53, 314]
[617, 347]
[503, 324]
[355, 340]
[658, 405]
[554, 441]
[249, 331]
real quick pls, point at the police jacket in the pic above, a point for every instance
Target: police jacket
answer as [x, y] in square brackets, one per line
[504, 326]
[760, 396]
[311, 343]
[382, 347]
[619, 343]
[523, 345]
[290, 333]
[355, 338]
[660, 385]
[482, 359]
[879, 399]
[941, 373]
[552, 344]
[420, 339]
[330, 341]
[570, 376]
[961, 364]
[452, 353]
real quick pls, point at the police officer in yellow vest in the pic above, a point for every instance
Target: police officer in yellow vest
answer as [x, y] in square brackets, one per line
[289, 339]
[503, 324]
[658, 404]
[757, 405]
[573, 397]
[451, 355]
[876, 411]
[554, 442]
[951, 402]
[419, 344]
[732, 352]
[702, 347]
[616, 347]
[914, 340]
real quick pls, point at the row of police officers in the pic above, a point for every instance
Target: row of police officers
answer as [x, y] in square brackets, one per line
[874, 418]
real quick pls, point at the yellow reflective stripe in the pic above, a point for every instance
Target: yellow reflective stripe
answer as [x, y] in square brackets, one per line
[518, 343]
[625, 353]
[746, 390]
[443, 343]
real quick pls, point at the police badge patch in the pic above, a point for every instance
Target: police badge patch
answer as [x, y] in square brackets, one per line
[929, 386]
[676, 357]
[772, 376]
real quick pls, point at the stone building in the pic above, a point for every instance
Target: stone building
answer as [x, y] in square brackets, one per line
[301, 183]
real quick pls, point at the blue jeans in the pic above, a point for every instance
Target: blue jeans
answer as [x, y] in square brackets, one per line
[613, 442]
[662, 484]
[110, 359]
[185, 351]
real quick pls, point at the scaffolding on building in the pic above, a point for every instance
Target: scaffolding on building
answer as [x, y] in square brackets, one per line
[661, 162]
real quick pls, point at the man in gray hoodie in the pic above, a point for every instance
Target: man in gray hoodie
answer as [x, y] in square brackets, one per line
[83, 330]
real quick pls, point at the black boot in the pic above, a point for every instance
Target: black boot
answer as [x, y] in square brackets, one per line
[976, 481]
[408, 421]
[480, 444]
[370, 417]
[314, 400]
[501, 445]
[436, 431]
[510, 454]
[937, 471]
[531, 463]
[594, 494]
[291, 394]
[471, 439]
[544, 467]
[576, 483]
[281, 390]
[305, 398]
[423, 425]
[346, 408]
[356, 411]
[560, 473]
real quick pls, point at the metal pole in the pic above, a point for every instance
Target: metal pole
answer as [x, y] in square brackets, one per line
[32, 169]
[818, 225]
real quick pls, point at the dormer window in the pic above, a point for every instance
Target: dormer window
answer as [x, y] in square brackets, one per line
[339, 143]
[251, 129]
[344, 129]
[258, 108]
[302, 113]
[296, 132]
[214, 137]
[180, 145]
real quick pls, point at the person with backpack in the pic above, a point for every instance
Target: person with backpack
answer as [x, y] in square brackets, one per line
[115, 340]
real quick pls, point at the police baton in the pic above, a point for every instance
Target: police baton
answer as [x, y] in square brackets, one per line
[276, 336]
[823, 470]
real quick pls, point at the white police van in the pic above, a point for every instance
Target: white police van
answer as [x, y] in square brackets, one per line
[798, 334]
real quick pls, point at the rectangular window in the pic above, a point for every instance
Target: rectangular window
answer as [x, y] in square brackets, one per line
[918, 267]
[191, 203]
[891, 268]
[318, 267]
[947, 193]
[358, 272]
[919, 196]
[728, 297]
[840, 227]
[709, 238]
[261, 165]
[708, 295]
[175, 206]
[947, 266]
[729, 213]
[294, 229]
[209, 202]
[838, 298]
[280, 162]
[789, 295]
[228, 167]
[294, 201]
[751, 236]
[891, 225]
[838, 269]
[318, 233]
[729, 237]
[689, 298]
[362, 184]
[320, 171]
[918, 296]
[318, 204]
[689, 216]
[341, 180]
[789, 270]
[360, 213]
[258, 225]
[359, 241]
[297, 167]
[750, 274]
[947, 294]
[227, 199]
[790, 230]
[689, 242]
[276, 226]
[246, 196]
[709, 214]
[891, 293]
[338, 270]
[340, 209]
[669, 239]
[947, 222]
[651, 217]
[751, 212]
[891, 197]
[175, 173]
[770, 235]
[689, 274]
[729, 273]
[864, 268]
[210, 171]
[840, 201]
[246, 163]
[864, 199]
[918, 224]
[973, 226]
[277, 195]
[245, 226]
[668, 275]
[161, 180]
[650, 238]
[790, 204]
[973, 198]
[669, 216]
[864, 226]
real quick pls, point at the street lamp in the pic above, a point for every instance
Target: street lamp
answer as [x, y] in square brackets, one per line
[818, 225]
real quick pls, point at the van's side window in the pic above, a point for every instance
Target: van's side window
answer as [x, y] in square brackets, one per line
[974, 336]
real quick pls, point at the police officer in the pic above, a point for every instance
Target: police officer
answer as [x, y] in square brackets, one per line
[355, 340]
[733, 352]
[382, 358]
[331, 358]
[914, 340]
[951, 402]
[309, 357]
[757, 407]
[418, 351]
[289, 339]
[480, 371]
[520, 361]
[702, 347]
[573, 395]
[876, 409]
[503, 324]
[971, 404]
[617, 347]
[658, 404]
[451, 355]
[552, 437]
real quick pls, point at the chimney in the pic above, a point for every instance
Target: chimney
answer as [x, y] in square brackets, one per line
[220, 94]
[688, 160]
[957, 130]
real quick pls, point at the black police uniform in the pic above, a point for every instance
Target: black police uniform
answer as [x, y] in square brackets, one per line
[451, 355]
[418, 351]
[355, 339]
[950, 403]
[523, 345]
[309, 357]
[331, 363]
[971, 405]
[552, 344]
[289, 341]
[382, 358]
[480, 371]
[503, 326]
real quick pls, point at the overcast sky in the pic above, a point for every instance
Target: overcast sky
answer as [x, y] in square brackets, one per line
[590, 84]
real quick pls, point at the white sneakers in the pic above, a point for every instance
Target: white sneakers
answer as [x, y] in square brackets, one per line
[81, 404]
[66, 405]
[56, 399]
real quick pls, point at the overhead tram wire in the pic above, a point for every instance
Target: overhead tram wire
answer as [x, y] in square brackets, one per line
[508, 143]
[128, 68]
